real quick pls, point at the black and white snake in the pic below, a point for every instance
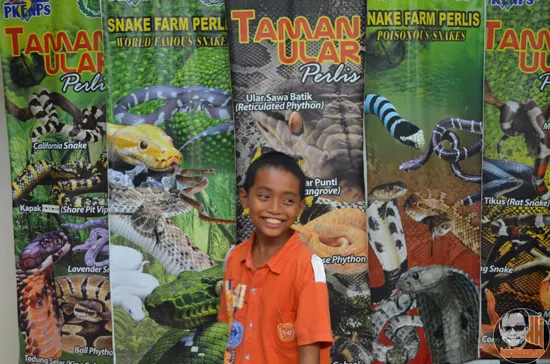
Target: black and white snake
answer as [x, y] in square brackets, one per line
[454, 155]
[215, 103]
[398, 127]
[88, 124]
[386, 236]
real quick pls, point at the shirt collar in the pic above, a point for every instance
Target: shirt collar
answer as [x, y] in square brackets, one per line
[276, 262]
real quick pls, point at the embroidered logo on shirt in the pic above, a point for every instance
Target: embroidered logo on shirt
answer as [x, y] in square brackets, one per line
[286, 332]
[236, 294]
[236, 335]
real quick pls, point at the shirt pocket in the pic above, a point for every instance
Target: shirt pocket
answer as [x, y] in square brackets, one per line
[285, 331]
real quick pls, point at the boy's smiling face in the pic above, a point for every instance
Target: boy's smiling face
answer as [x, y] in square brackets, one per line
[273, 202]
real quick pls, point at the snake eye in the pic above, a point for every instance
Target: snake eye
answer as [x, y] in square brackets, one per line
[143, 144]
[218, 288]
[416, 275]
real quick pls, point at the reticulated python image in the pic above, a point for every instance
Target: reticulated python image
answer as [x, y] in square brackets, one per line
[330, 140]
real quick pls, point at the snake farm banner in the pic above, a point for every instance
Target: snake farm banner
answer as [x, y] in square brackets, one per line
[515, 241]
[171, 177]
[52, 65]
[423, 126]
[297, 80]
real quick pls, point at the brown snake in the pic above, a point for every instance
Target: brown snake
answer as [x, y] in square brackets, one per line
[142, 215]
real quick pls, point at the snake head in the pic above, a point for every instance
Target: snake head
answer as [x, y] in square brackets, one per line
[189, 301]
[145, 145]
[388, 191]
[419, 279]
[44, 251]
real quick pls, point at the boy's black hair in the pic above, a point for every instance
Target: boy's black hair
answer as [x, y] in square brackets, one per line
[279, 161]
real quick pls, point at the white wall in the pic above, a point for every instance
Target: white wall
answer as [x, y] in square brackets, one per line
[9, 345]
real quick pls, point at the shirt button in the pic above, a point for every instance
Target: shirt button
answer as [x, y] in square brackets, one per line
[247, 357]
[253, 290]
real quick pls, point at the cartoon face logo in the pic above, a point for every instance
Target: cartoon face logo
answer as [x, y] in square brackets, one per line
[521, 336]
[513, 327]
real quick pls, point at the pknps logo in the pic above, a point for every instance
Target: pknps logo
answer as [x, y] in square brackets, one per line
[508, 4]
[26, 9]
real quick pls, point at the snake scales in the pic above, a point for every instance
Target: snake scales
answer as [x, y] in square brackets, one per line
[330, 140]
[88, 124]
[68, 180]
[506, 230]
[96, 244]
[456, 220]
[60, 314]
[189, 305]
[405, 289]
[142, 215]
[339, 236]
[448, 303]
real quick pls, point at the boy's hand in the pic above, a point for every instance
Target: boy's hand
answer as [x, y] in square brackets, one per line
[310, 354]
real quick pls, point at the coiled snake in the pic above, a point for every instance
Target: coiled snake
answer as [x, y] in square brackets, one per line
[339, 238]
[215, 103]
[142, 215]
[189, 305]
[88, 124]
[96, 244]
[68, 180]
[57, 315]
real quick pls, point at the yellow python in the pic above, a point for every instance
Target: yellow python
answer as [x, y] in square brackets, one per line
[143, 145]
[341, 232]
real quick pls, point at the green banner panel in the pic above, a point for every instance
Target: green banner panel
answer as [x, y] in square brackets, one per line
[515, 237]
[52, 63]
[171, 177]
[423, 126]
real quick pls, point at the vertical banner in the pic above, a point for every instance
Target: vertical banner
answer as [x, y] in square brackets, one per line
[171, 177]
[297, 78]
[52, 64]
[516, 218]
[423, 126]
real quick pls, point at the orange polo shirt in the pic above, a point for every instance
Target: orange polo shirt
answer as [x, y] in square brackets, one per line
[278, 307]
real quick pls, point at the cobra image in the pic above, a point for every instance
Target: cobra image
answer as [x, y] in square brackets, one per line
[423, 128]
[171, 180]
[64, 267]
[515, 240]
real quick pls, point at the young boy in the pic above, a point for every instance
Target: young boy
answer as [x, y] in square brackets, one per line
[274, 288]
